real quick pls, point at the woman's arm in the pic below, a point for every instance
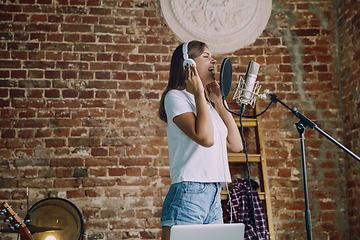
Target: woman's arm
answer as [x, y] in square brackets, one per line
[199, 128]
[234, 142]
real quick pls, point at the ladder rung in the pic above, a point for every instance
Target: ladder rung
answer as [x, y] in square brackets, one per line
[246, 122]
[224, 195]
[240, 157]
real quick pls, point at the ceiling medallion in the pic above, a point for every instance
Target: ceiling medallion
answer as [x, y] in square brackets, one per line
[224, 25]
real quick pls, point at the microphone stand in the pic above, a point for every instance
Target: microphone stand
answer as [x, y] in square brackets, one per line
[300, 126]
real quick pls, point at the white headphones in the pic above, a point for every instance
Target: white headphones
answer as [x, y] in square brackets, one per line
[187, 60]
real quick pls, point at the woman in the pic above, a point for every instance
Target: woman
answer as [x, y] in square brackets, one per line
[198, 140]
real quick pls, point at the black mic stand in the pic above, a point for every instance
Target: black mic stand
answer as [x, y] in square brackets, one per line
[300, 126]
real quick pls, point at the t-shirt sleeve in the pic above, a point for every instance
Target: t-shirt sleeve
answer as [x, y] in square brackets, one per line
[176, 103]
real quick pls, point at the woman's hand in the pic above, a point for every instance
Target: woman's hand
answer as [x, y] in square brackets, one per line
[192, 80]
[213, 90]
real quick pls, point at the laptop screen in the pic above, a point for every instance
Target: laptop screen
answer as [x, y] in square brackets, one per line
[233, 231]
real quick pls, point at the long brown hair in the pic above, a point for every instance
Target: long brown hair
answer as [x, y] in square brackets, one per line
[177, 72]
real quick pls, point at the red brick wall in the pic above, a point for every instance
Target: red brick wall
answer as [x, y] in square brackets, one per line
[302, 70]
[80, 85]
[348, 25]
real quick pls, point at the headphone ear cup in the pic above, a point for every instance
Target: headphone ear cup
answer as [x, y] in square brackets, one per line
[187, 62]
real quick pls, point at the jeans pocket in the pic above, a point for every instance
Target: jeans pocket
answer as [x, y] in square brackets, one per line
[195, 187]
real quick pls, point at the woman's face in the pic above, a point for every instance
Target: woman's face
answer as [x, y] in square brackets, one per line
[205, 66]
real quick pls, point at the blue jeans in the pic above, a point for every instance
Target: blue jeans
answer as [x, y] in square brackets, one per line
[192, 203]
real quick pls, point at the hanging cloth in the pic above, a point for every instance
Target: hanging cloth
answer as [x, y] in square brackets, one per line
[242, 211]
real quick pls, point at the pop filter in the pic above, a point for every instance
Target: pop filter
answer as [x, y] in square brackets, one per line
[225, 78]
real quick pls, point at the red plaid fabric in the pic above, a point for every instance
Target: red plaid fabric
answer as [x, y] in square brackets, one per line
[242, 210]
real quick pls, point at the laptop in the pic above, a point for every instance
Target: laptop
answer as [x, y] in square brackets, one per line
[233, 231]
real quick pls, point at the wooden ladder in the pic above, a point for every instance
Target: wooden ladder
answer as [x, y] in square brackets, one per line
[259, 158]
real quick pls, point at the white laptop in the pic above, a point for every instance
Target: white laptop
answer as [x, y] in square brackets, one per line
[233, 231]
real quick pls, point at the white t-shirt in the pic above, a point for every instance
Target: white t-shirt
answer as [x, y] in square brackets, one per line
[190, 161]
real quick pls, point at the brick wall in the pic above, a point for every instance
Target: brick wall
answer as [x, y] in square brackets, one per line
[301, 69]
[80, 85]
[348, 25]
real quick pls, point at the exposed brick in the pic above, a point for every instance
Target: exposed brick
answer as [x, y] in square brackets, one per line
[28, 103]
[35, 74]
[8, 113]
[56, 46]
[5, 195]
[64, 123]
[80, 86]
[75, 28]
[56, 143]
[33, 143]
[4, 103]
[5, 153]
[52, 74]
[99, 152]
[67, 183]
[100, 94]
[4, 74]
[84, 142]
[17, 93]
[20, 17]
[71, 10]
[30, 123]
[8, 133]
[54, 38]
[98, 172]
[120, 48]
[52, 93]
[93, 2]
[98, 182]
[89, 47]
[71, 37]
[42, 28]
[27, 113]
[90, 19]
[66, 162]
[34, 84]
[102, 75]
[117, 171]
[10, 64]
[35, 183]
[98, 104]
[80, 193]
[153, 49]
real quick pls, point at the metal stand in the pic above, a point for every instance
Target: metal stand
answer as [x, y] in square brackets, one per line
[301, 125]
[301, 129]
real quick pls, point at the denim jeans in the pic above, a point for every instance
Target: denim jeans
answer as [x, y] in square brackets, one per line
[192, 203]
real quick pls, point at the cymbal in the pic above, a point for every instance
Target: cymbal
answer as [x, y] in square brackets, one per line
[33, 229]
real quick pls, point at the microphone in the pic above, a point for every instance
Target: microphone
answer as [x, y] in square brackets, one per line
[247, 91]
[225, 78]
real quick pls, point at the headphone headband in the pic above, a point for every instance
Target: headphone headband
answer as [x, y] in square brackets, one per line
[187, 60]
[185, 50]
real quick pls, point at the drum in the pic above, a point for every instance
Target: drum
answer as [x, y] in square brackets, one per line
[57, 213]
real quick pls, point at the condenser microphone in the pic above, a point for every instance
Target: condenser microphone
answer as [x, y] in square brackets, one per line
[248, 89]
[225, 78]
[249, 85]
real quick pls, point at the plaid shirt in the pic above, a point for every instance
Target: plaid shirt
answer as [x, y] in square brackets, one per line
[241, 212]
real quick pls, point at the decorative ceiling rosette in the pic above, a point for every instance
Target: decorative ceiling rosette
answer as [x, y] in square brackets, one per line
[224, 25]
